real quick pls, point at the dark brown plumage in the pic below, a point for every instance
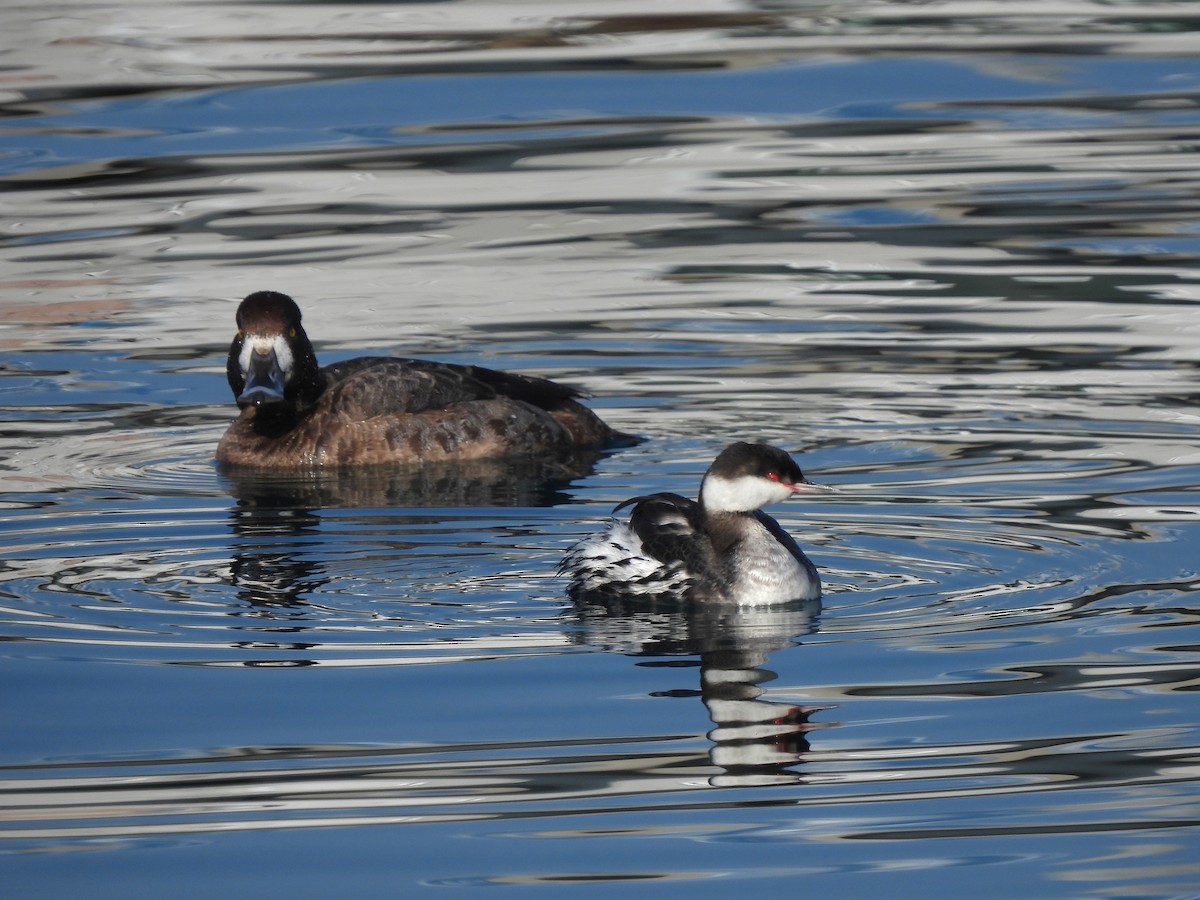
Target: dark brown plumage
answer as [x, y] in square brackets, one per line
[296, 414]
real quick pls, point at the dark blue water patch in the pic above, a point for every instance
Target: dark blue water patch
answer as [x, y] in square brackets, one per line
[1158, 245]
[525, 107]
[877, 215]
[85, 381]
[90, 234]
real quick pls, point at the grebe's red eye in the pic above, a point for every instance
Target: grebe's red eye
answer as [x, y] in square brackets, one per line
[773, 475]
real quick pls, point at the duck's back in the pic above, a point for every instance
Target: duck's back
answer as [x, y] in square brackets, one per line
[384, 385]
[384, 410]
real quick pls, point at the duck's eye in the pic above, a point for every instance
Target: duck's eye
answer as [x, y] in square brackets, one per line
[291, 332]
[773, 475]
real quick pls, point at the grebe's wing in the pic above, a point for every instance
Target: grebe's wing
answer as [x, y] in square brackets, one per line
[671, 530]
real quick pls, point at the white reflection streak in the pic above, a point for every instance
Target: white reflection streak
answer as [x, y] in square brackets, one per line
[509, 793]
[456, 648]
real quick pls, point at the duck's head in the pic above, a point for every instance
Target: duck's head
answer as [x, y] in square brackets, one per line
[746, 477]
[271, 363]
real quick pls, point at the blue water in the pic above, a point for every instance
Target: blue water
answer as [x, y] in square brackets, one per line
[948, 262]
[403, 110]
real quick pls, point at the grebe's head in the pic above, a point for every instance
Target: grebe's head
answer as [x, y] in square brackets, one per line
[746, 477]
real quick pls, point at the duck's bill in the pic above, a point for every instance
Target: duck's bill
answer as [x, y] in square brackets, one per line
[258, 396]
[264, 381]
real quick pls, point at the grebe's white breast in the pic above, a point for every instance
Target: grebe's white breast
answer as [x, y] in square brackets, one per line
[765, 569]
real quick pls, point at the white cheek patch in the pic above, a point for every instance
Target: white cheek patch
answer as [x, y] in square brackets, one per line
[258, 343]
[741, 494]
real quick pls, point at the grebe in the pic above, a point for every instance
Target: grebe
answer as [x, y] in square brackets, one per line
[723, 548]
[296, 415]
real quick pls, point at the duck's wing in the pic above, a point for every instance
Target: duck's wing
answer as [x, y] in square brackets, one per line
[538, 391]
[381, 385]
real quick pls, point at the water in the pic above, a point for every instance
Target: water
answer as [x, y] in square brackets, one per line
[943, 253]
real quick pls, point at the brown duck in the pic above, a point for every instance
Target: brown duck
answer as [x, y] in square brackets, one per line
[298, 415]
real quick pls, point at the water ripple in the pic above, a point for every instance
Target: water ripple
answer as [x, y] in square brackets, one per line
[305, 787]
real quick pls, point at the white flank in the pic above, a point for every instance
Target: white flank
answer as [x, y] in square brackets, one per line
[615, 560]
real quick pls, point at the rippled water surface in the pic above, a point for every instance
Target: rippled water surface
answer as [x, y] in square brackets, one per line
[944, 252]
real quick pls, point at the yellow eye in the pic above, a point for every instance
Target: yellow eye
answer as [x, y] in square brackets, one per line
[291, 332]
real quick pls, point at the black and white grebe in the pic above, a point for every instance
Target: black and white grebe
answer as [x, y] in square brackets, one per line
[722, 548]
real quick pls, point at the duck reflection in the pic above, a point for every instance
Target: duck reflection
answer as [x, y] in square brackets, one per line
[754, 741]
[265, 567]
[483, 482]
[271, 566]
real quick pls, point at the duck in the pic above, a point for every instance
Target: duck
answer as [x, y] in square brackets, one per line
[296, 414]
[722, 548]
